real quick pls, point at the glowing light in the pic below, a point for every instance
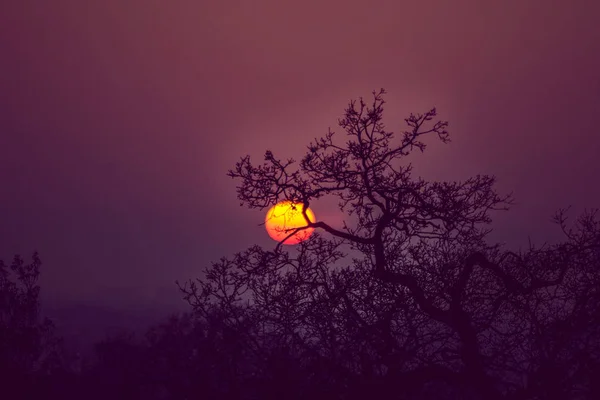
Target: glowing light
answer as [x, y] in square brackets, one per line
[287, 215]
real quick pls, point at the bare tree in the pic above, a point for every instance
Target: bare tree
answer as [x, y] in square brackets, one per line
[29, 351]
[408, 293]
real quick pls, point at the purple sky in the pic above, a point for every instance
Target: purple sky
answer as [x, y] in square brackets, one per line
[120, 118]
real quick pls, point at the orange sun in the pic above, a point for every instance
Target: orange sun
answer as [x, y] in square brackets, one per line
[287, 215]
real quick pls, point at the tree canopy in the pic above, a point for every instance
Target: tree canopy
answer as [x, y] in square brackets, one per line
[409, 293]
[408, 298]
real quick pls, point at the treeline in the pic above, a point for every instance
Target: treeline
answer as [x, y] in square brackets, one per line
[341, 336]
[407, 300]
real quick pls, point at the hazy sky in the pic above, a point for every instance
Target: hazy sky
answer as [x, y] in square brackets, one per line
[120, 118]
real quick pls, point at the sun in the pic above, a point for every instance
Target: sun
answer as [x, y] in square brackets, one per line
[287, 215]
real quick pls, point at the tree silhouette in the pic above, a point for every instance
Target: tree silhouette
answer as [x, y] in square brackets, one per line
[407, 300]
[409, 296]
[29, 351]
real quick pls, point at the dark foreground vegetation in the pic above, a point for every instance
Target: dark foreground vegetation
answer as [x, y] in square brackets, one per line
[408, 301]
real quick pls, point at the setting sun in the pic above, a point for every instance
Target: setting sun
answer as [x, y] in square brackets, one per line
[287, 215]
